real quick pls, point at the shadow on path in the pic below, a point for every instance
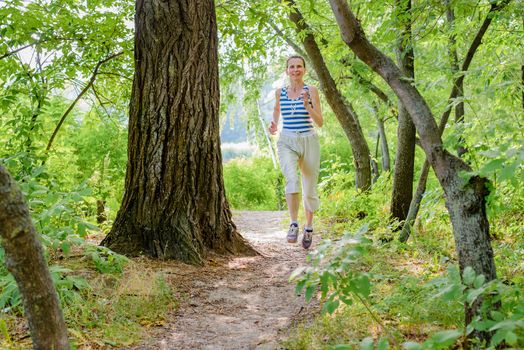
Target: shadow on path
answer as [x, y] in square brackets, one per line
[237, 303]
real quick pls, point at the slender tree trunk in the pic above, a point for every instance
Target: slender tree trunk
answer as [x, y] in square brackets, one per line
[24, 258]
[270, 147]
[457, 81]
[279, 186]
[405, 156]
[384, 148]
[452, 38]
[345, 114]
[374, 168]
[375, 171]
[32, 123]
[414, 206]
[465, 198]
[100, 211]
[174, 204]
[78, 98]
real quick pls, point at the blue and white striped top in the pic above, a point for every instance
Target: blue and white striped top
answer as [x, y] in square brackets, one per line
[295, 116]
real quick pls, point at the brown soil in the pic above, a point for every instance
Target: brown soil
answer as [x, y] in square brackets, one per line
[237, 303]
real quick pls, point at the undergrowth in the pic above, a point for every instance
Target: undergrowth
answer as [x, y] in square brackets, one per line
[253, 184]
[106, 298]
[378, 293]
[101, 310]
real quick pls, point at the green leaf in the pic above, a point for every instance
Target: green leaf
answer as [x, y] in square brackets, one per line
[508, 172]
[511, 338]
[484, 325]
[446, 338]
[497, 315]
[451, 292]
[341, 347]
[300, 285]
[66, 247]
[324, 283]
[473, 294]
[382, 344]
[331, 305]
[508, 325]
[410, 345]
[468, 276]
[479, 281]
[491, 166]
[309, 292]
[498, 337]
[363, 286]
[366, 344]
[297, 272]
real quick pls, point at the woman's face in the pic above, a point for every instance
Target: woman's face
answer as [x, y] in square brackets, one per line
[295, 69]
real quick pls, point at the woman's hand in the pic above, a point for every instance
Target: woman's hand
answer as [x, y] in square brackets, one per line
[273, 128]
[312, 105]
[307, 99]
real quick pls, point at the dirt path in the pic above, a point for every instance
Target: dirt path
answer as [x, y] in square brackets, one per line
[239, 303]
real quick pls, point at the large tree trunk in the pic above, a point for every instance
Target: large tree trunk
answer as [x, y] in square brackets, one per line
[24, 258]
[465, 198]
[405, 156]
[174, 204]
[344, 113]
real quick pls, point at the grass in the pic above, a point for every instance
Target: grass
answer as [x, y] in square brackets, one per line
[401, 297]
[120, 308]
[117, 310]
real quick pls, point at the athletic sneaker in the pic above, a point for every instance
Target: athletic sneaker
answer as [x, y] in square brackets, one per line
[292, 234]
[307, 239]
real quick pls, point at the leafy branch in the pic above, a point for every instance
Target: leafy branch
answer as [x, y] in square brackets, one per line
[82, 93]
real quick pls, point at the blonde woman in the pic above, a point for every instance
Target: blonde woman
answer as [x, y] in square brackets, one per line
[298, 145]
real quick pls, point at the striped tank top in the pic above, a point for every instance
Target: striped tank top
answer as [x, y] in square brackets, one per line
[295, 116]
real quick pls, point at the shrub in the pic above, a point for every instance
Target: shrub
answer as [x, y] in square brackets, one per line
[253, 184]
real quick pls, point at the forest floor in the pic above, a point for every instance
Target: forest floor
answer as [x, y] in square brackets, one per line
[239, 302]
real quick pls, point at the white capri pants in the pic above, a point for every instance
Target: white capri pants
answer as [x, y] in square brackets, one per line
[302, 149]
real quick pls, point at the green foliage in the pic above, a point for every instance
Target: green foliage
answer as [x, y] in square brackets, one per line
[68, 287]
[105, 260]
[88, 160]
[398, 274]
[5, 332]
[334, 272]
[500, 158]
[112, 308]
[502, 305]
[438, 341]
[119, 309]
[10, 296]
[348, 208]
[252, 184]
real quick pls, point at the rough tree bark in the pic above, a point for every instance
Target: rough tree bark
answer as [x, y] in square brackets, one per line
[455, 91]
[344, 113]
[465, 198]
[405, 156]
[174, 204]
[24, 258]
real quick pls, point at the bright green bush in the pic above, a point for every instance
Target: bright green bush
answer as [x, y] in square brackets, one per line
[253, 184]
